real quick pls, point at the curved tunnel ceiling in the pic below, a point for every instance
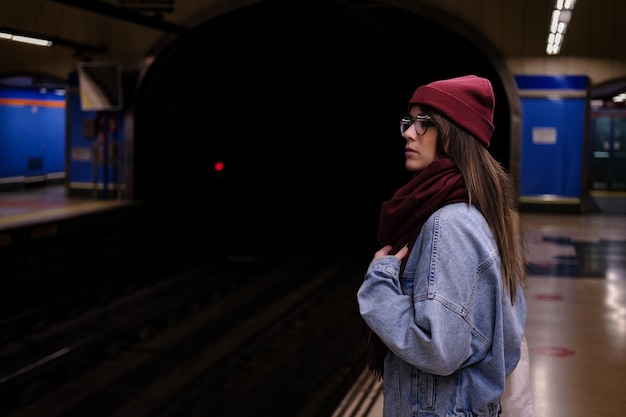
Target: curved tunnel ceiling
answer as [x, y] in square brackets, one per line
[301, 102]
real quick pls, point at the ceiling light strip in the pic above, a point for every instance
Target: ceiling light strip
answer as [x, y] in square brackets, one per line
[561, 16]
[10, 34]
[25, 39]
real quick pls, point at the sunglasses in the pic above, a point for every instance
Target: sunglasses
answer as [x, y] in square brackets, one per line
[421, 122]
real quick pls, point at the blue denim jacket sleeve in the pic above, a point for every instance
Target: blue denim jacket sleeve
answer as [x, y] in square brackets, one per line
[441, 317]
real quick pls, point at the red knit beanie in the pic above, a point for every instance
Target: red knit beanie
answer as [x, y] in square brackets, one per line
[468, 101]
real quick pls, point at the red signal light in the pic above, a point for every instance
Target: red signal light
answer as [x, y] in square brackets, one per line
[219, 166]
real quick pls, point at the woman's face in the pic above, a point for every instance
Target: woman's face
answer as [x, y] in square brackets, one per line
[421, 141]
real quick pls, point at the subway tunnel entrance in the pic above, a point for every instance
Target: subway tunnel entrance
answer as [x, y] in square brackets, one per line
[301, 103]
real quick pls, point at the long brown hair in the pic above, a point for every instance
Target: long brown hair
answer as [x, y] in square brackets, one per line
[490, 189]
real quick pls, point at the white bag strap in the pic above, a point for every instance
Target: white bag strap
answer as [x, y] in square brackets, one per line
[517, 399]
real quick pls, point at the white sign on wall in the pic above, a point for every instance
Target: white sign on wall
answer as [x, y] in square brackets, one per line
[544, 135]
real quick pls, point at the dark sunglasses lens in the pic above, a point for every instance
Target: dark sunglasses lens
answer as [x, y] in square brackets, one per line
[421, 126]
[405, 123]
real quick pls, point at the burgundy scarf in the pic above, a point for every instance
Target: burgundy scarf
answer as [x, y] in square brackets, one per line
[401, 220]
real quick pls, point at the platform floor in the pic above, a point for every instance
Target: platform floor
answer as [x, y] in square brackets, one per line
[576, 325]
[38, 203]
[576, 297]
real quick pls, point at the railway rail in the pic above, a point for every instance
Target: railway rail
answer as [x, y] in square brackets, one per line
[232, 338]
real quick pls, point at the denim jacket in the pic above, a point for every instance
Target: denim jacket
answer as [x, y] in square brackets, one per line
[453, 334]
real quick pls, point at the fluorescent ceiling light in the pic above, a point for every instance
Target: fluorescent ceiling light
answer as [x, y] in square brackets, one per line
[10, 34]
[561, 17]
[620, 98]
[25, 39]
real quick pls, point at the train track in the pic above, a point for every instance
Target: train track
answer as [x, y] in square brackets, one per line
[227, 339]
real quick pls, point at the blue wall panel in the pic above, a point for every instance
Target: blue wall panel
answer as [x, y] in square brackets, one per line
[552, 168]
[11, 133]
[80, 164]
[32, 135]
[553, 126]
[85, 137]
[52, 141]
[552, 82]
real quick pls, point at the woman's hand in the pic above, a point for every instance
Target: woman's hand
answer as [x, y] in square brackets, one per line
[384, 251]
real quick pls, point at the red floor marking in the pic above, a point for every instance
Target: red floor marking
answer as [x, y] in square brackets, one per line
[545, 264]
[554, 351]
[548, 297]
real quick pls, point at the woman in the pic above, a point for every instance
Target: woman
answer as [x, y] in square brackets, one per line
[444, 294]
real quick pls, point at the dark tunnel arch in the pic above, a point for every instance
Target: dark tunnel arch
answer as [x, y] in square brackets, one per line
[301, 102]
